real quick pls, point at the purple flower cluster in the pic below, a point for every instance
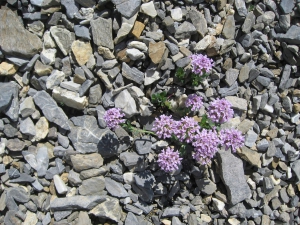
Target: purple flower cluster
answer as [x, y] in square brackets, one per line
[220, 111]
[186, 129]
[164, 126]
[168, 160]
[113, 117]
[201, 63]
[194, 101]
[231, 138]
[206, 145]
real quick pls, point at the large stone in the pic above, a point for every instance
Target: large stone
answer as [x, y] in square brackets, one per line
[76, 203]
[41, 128]
[102, 32]
[132, 73]
[27, 127]
[229, 28]
[31, 218]
[86, 3]
[126, 27]
[127, 7]
[115, 189]
[199, 22]
[6, 95]
[7, 69]
[85, 162]
[63, 38]
[109, 209]
[15, 40]
[127, 103]
[69, 98]
[82, 51]
[233, 177]
[15, 145]
[237, 103]
[55, 79]
[27, 107]
[292, 36]
[156, 51]
[185, 30]
[87, 137]
[92, 186]
[51, 111]
[9, 100]
[250, 156]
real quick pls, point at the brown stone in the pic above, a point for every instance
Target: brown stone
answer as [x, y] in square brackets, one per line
[78, 79]
[156, 51]
[227, 64]
[121, 55]
[137, 29]
[105, 52]
[42, 70]
[7, 69]
[250, 156]
[296, 93]
[82, 51]
[296, 108]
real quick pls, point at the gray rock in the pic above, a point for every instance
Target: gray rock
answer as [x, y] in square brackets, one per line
[85, 87]
[143, 145]
[77, 202]
[241, 8]
[233, 177]
[248, 23]
[229, 27]
[51, 111]
[71, 8]
[287, 6]
[63, 39]
[12, 173]
[132, 73]
[102, 32]
[74, 178]
[287, 104]
[296, 168]
[199, 22]
[15, 145]
[2, 169]
[87, 137]
[27, 107]
[131, 219]
[16, 194]
[250, 138]
[185, 30]
[115, 189]
[126, 103]
[267, 185]
[15, 40]
[285, 22]
[183, 62]
[93, 186]
[231, 76]
[11, 106]
[144, 181]
[128, 7]
[60, 186]
[27, 127]
[109, 209]
[86, 3]
[82, 32]
[95, 95]
[206, 186]
[291, 36]
[285, 77]
[171, 211]
[85, 162]
[6, 95]
[131, 158]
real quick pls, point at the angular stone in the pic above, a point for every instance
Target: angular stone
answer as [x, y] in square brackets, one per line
[15, 40]
[42, 129]
[27, 127]
[10, 106]
[156, 51]
[92, 186]
[127, 7]
[77, 202]
[51, 111]
[132, 73]
[237, 103]
[86, 3]
[126, 27]
[85, 162]
[31, 218]
[15, 145]
[71, 8]
[83, 218]
[87, 137]
[69, 98]
[102, 32]
[82, 32]
[248, 23]
[7, 69]
[42, 70]
[148, 9]
[199, 22]
[110, 209]
[229, 28]
[241, 8]
[250, 156]
[115, 189]
[206, 186]
[233, 177]
[27, 107]
[185, 30]
[55, 79]
[48, 56]
[63, 38]
[137, 29]
[60, 186]
[204, 43]
[231, 76]
[82, 51]
[6, 96]
[287, 6]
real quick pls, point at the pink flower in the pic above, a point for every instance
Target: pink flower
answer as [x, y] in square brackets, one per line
[168, 160]
[220, 111]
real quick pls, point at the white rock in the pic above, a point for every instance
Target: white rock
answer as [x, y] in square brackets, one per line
[69, 98]
[48, 41]
[149, 9]
[139, 45]
[151, 76]
[42, 129]
[2, 148]
[269, 108]
[125, 101]
[176, 14]
[70, 85]
[126, 27]
[27, 107]
[204, 43]
[218, 205]
[128, 178]
[60, 185]
[31, 218]
[55, 78]
[48, 56]
[134, 54]
[138, 91]
[295, 118]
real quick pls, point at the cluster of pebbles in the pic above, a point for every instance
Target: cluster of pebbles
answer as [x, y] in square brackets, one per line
[64, 62]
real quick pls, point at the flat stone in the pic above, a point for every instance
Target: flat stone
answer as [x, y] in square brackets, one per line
[27, 127]
[6, 96]
[231, 76]
[86, 3]
[82, 32]
[85, 162]
[204, 43]
[42, 129]
[287, 6]
[229, 28]
[48, 56]
[82, 51]
[126, 27]
[143, 145]
[237, 103]
[137, 29]
[148, 9]
[171, 211]
[132, 73]
[241, 8]
[60, 186]
[55, 78]
[15, 145]
[128, 7]
[77, 202]
[102, 32]
[15, 40]
[138, 45]
[134, 54]
[185, 30]
[92, 186]
[248, 23]
[7, 69]
[87, 137]
[199, 22]
[206, 186]
[41, 69]
[115, 189]
[296, 168]
[51, 111]
[83, 218]
[27, 107]
[31, 218]
[250, 156]
[233, 177]
[63, 38]
[109, 209]
[69, 98]
[126, 103]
